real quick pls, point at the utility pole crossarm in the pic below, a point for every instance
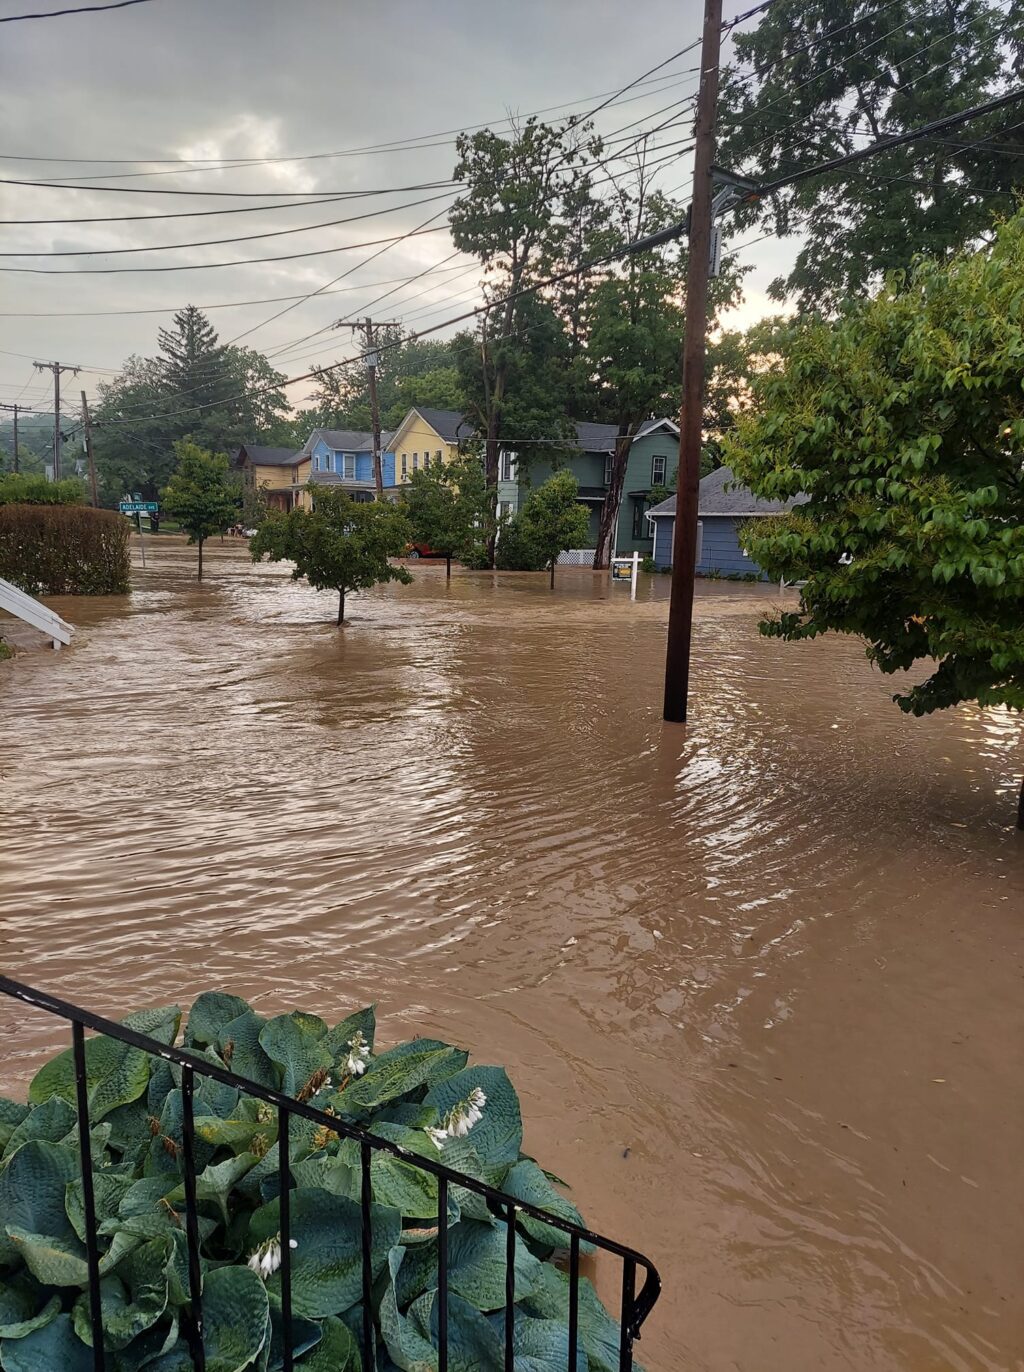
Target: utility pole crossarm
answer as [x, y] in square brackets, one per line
[368, 327]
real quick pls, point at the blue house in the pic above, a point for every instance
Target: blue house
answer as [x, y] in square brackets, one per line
[723, 505]
[342, 457]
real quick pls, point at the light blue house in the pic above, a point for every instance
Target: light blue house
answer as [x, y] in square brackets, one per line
[723, 505]
[342, 457]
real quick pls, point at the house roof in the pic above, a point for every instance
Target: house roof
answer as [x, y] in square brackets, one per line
[450, 424]
[268, 457]
[715, 499]
[333, 479]
[342, 440]
[600, 438]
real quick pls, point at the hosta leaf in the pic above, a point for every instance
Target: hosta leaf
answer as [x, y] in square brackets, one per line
[527, 1182]
[404, 1186]
[599, 1332]
[61, 1262]
[52, 1122]
[540, 1345]
[327, 1259]
[209, 1014]
[329, 1174]
[409, 1350]
[54, 1348]
[24, 1309]
[125, 1317]
[498, 1137]
[306, 1334]
[235, 1318]
[476, 1265]
[472, 1342]
[337, 1350]
[390, 1076]
[236, 1134]
[239, 1046]
[11, 1115]
[296, 1045]
[116, 1073]
[216, 1182]
[339, 1038]
[33, 1183]
[109, 1190]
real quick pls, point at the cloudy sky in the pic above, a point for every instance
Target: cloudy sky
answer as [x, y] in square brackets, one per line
[152, 97]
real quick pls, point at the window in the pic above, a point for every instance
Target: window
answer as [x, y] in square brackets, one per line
[641, 525]
[507, 466]
[405, 466]
[348, 466]
[658, 471]
[608, 469]
[415, 462]
[437, 455]
[426, 460]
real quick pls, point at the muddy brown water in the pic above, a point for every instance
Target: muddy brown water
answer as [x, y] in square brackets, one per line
[759, 981]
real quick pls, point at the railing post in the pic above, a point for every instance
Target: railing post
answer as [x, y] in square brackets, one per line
[92, 1252]
[627, 1315]
[510, 1288]
[284, 1183]
[195, 1277]
[367, 1238]
[574, 1300]
[442, 1274]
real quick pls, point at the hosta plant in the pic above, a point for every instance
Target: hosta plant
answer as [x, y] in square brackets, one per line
[420, 1094]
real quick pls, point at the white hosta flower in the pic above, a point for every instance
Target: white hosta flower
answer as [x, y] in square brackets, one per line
[459, 1119]
[359, 1055]
[266, 1259]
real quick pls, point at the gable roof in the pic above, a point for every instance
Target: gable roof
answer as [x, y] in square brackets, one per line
[601, 438]
[261, 456]
[450, 424]
[739, 500]
[341, 440]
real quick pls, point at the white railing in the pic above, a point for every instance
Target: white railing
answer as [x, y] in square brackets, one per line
[577, 557]
[26, 607]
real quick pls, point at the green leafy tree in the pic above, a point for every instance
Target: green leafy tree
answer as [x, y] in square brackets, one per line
[195, 388]
[904, 423]
[411, 373]
[518, 209]
[816, 78]
[27, 489]
[202, 495]
[340, 545]
[445, 504]
[553, 520]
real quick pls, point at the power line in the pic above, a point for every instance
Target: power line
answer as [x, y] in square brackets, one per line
[234, 195]
[81, 9]
[210, 266]
[242, 238]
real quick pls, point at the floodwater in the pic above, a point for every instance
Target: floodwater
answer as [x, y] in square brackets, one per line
[759, 981]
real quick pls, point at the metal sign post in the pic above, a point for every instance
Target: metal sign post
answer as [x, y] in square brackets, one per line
[626, 569]
[135, 505]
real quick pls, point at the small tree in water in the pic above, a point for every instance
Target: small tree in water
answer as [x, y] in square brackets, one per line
[553, 520]
[202, 495]
[446, 506]
[340, 545]
[903, 422]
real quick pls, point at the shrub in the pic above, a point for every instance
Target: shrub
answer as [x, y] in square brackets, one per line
[64, 549]
[648, 565]
[413, 1094]
[517, 550]
[19, 489]
[5, 651]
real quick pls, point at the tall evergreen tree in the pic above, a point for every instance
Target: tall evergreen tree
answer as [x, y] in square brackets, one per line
[818, 78]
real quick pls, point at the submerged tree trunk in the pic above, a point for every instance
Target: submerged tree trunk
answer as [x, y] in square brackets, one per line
[613, 500]
[553, 561]
[448, 566]
[341, 606]
[200, 559]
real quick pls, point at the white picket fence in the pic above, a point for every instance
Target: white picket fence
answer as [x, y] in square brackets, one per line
[27, 608]
[577, 557]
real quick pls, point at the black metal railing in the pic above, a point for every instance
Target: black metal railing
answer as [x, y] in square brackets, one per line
[634, 1306]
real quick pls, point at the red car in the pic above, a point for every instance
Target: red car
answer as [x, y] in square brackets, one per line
[421, 550]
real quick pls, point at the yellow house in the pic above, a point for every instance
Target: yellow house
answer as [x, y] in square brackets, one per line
[425, 437]
[279, 472]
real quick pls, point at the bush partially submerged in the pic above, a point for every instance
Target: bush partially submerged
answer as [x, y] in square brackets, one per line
[420, 1094]
[64, 549]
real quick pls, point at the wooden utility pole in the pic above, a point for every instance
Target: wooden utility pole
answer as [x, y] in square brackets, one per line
[16, 409]
[87, 425]
[56, 369]
[368, 329]
[691, 419]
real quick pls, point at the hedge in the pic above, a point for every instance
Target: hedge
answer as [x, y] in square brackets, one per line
[64, 549]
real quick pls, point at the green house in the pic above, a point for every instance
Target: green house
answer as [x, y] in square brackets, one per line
[653, 460]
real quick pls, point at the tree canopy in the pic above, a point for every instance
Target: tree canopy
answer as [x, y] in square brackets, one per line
[817, 78]
[340, 545]
[553, 520]
[903, 422]
[202, 495]
[408, 373]
[445, 504]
